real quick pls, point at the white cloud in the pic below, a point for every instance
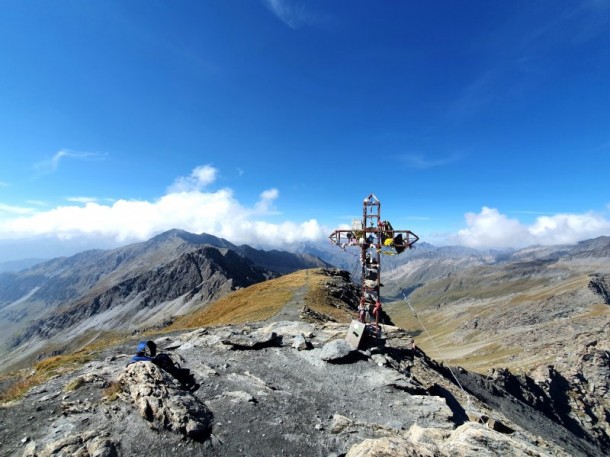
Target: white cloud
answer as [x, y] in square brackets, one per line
[569, 228]
[50, 166]
[199, 178]
[4, 184]
[81, 199]
[205, 175]
[214, 212]
[491, 229]
[265, 204]
[14, 209]
[292, 14]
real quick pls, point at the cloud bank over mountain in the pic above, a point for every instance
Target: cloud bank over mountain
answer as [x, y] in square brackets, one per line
[190, 205]
[492, 229]
[186, 205]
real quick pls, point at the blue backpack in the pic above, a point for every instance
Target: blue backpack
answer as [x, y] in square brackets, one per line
[147, 352]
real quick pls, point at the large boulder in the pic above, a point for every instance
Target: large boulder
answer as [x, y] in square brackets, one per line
[336, 351]
[163, 403]
[256, 340]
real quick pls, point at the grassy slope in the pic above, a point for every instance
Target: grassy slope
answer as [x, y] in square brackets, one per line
[20, 381]
[447, 310]
[261, 301]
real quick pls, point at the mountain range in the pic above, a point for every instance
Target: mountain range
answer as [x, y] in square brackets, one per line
[64, 302]
[529, 330]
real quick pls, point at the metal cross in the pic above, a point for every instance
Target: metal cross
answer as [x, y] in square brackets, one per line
[374, 237]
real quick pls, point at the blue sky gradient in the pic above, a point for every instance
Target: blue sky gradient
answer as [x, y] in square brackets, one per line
[267, 122]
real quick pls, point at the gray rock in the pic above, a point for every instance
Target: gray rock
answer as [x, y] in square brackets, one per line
[77, 407]
[388, 377]
[277, 399]
[477, 439]
[431, 411]
[29, 450]
[300, 343]
[290, 329]
[93, 444]
[239, 396]
[379, 359]
[159, 401]
[388, 447]
[423, 435]
[340, 423]
[255, 340]
[336, 351]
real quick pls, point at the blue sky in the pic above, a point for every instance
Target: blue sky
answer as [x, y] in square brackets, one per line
[474, 122]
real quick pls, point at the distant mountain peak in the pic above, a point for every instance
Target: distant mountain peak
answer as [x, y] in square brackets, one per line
[190, 238]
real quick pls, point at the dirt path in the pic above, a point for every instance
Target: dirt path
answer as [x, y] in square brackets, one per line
[292, 309]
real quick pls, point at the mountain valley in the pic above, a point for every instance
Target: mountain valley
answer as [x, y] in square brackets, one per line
[489, 354]
[522, 310]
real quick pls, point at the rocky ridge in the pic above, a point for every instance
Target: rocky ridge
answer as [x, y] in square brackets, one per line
[573, 392]
[283, 388]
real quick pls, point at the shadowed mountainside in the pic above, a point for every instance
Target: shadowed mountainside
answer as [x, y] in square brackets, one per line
[44, 308]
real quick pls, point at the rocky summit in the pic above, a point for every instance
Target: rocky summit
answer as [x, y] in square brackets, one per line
[294, 388]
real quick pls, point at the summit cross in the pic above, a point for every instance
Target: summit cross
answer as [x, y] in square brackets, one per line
[374, 236]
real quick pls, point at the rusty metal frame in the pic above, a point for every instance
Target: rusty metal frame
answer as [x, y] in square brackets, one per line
[370, 235]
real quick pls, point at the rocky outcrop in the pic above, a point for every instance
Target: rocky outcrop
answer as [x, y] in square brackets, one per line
[572, 394]
[164, 404]
[336, 351]
[309, 315]
[470, 439]
[576, 392]
[252, 340]
[87, 444]
[261, 394]
[600, 284]
[387, 447]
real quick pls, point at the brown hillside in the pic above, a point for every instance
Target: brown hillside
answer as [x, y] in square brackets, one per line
[492, 320]
[311, 288]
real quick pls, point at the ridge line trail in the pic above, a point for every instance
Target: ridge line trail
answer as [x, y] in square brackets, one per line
[292, 309]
